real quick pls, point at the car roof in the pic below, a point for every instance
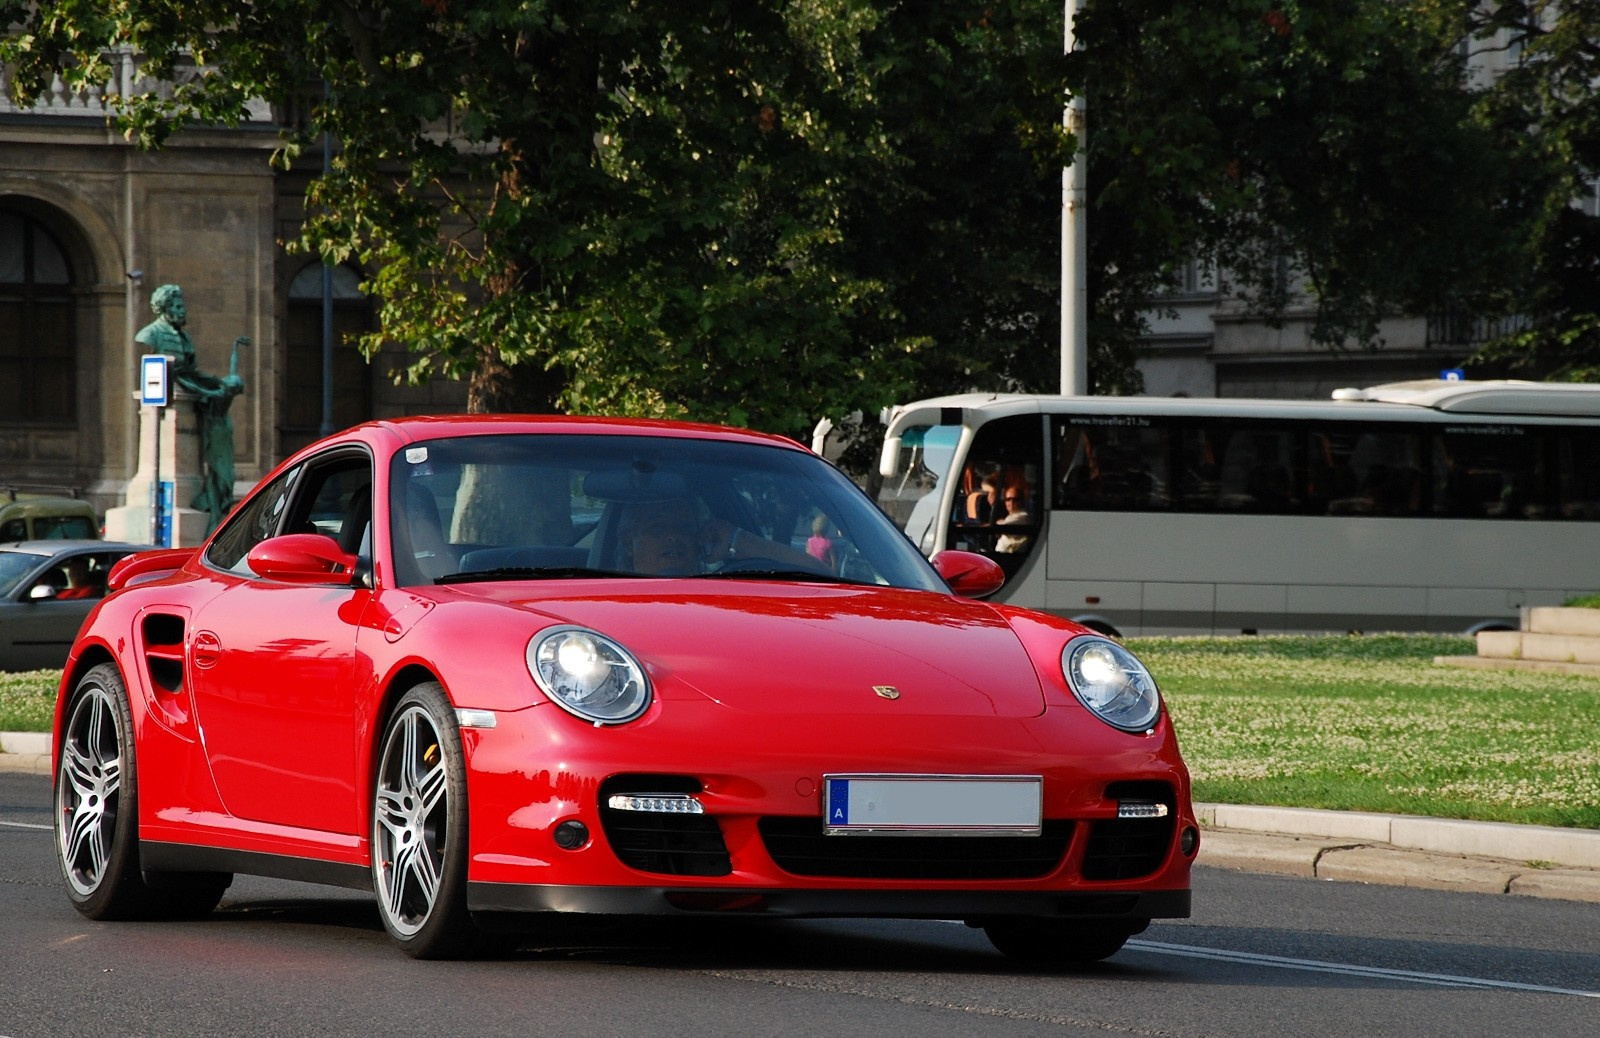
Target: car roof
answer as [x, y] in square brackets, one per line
[46, 505]
[428, 427]
[45, 549]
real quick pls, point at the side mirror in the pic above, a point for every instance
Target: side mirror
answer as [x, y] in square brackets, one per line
[303, 558]
[969, 574]
[42, 592]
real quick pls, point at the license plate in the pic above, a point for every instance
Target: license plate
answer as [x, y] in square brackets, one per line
[976, 805]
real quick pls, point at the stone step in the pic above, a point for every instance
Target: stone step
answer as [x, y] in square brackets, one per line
[1500, 645]
[1532, 645]
[1583, 623]
[1589, 670]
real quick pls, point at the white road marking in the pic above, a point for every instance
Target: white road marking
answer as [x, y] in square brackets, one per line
[24, 825]
[1314, 966]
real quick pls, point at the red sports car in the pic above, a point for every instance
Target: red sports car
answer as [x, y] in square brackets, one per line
[497, 667]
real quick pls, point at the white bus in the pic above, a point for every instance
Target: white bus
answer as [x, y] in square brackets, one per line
[1430, 505]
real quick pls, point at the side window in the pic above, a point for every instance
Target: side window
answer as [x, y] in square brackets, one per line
[1113, 465]
[335, 499]
[81, 576]
[1490, 472]
[1256, 470]
[254, 523]
[1577, 476]
[997, 503]
[1369, 472]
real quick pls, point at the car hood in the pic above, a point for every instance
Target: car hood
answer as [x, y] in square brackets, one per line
[782, 648]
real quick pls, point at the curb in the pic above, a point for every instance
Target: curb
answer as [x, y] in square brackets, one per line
[25, 751]
[1401, 850]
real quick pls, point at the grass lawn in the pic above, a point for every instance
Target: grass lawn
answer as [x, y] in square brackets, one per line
[1364, 723]
[1371, 723]
[27, 700]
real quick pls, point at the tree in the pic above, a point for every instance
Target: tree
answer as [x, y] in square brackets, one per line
[1278, 140]
[599, 205]
[1545, 113]
[964, 231]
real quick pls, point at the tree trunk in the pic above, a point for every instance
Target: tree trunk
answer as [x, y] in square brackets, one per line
[500, 388]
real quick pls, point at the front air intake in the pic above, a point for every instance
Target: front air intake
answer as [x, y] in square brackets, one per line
[672, 840]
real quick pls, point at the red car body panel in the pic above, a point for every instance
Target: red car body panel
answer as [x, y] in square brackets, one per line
[258, 705]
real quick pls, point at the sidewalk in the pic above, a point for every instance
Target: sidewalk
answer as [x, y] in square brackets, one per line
[1396, 850]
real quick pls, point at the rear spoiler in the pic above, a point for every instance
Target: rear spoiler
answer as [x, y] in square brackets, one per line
[146, 566]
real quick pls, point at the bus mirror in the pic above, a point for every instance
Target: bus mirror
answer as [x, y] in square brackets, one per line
[969, 574]
[890, 457]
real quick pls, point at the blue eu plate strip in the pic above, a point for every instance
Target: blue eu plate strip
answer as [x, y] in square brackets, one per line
[838, 801]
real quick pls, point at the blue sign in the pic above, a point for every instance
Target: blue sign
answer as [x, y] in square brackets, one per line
[154, 379]
[164, 515]
[1453, 375]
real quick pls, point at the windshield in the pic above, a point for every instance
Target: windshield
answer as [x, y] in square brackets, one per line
[63, 527]
[563, 506]
[15, 565]
[911, 496]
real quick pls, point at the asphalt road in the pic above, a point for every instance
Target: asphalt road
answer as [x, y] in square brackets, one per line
[1263, 956]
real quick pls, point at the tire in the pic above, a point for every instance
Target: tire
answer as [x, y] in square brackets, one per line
[419, 831]
[1054, 943]
[97, 815]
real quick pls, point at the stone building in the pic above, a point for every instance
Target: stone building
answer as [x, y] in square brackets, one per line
[1203, 343]
[90, 225]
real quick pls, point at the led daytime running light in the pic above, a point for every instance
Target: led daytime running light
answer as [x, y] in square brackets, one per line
[658, 803]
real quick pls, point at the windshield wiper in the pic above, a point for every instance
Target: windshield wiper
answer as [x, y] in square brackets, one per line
[525, 573]
[806, 575]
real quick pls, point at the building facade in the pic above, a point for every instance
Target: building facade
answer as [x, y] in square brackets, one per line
[1203, 343]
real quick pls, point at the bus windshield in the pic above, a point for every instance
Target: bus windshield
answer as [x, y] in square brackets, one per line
[911, 497]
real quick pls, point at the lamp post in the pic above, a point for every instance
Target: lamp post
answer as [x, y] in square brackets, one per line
[1075, 238]
[327, 288]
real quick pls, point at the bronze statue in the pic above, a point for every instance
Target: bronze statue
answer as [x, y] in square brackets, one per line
[213, 395]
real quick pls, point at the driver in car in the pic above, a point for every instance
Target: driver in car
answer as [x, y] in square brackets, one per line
[670, 539]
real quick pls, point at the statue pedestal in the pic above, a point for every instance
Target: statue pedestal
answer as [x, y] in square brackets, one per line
[178, 436]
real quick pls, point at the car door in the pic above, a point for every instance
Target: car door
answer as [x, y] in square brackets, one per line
[273, 666]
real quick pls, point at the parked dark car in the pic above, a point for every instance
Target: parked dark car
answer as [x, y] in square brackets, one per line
[46, 589]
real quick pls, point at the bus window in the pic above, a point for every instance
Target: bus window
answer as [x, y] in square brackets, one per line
[995, 509]
[1492, 471]
[1577, 476]
[1374, 472]
[1111, 467]
[1255, 470]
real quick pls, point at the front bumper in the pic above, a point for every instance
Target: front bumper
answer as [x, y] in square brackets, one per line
[540, 769]
[509, 898]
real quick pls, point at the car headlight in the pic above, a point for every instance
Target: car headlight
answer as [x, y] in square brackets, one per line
[588, 675]
[1111, 682]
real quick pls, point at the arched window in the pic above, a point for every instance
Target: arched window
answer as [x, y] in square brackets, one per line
[38, 345]
[352, 375]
